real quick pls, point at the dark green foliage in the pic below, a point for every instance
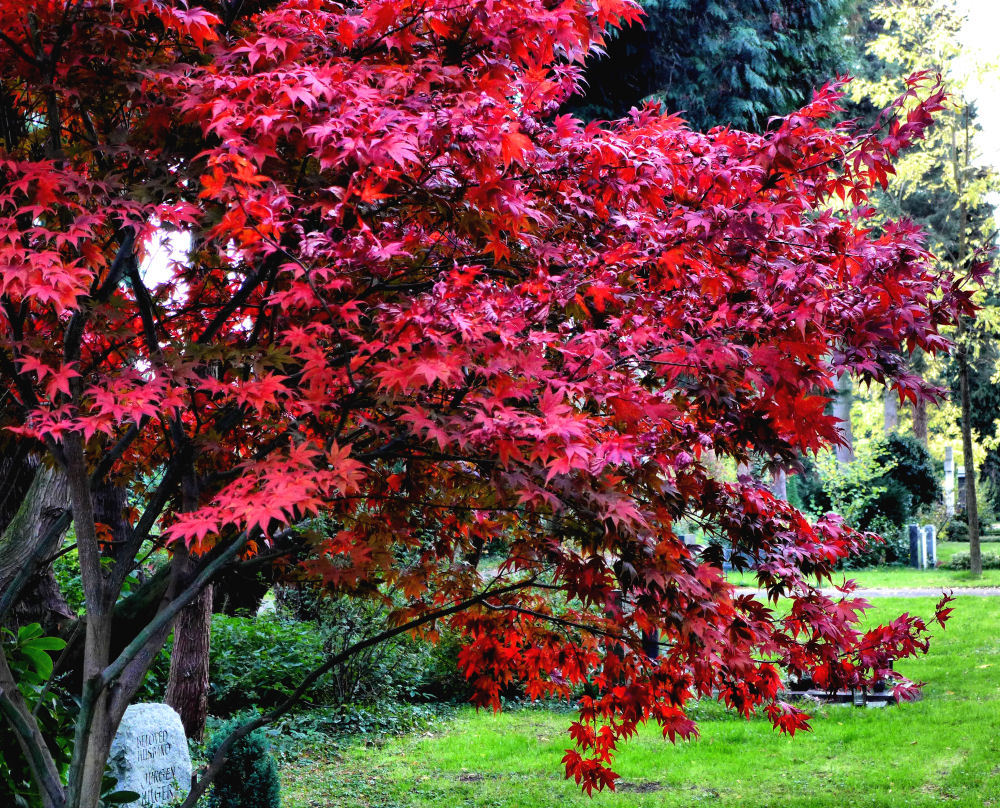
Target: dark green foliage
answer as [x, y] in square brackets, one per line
[249, 777]
[879, 493]
[439, 676]
[956, 528]
[719, 61]
[893, 549]
[805, 489]
[257, 661]
[911, 471]
[30, 656]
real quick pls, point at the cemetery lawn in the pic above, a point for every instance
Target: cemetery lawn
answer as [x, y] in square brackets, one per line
[945, 748]
[909, 578]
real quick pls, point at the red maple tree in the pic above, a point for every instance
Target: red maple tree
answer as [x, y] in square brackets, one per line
[422, 303]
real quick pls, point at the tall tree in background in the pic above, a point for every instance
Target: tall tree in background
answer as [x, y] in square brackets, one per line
[719, 62]
[940, 186]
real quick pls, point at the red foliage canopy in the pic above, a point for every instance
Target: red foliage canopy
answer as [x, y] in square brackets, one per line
[422, 304]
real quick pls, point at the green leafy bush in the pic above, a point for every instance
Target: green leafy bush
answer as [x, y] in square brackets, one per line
[956, 528]
[405, 668]
[249, 777]
[29, 655]
[254, 662]
[257, 661]
[961, 561]
[909, 465]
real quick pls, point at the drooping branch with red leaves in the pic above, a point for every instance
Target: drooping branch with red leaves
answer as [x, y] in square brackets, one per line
[423, 305]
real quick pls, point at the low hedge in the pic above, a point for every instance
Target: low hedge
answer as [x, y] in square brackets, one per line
[960, 561]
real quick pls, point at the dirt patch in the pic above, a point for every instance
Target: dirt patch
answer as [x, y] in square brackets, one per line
[639, 788]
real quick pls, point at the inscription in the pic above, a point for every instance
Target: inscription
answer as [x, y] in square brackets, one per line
[151, 745]
[161, 786]
[157, 795]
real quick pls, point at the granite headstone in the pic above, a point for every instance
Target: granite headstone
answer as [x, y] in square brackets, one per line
[149, 755]
[930, 545]
[913, 531]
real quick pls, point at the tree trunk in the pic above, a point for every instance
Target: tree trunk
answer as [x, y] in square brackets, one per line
[962, 355]
[890, 410]
[17, 472]
[920, 421]
[29, 540]
[842, 412]
[187, 685]
[779, 484]
[971, 506]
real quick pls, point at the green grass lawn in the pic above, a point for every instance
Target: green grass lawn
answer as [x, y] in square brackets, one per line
[943, 749]
[909, 578]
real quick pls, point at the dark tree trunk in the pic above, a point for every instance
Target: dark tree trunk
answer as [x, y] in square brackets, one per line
[971, 506]
[187, 686]
[17, 471]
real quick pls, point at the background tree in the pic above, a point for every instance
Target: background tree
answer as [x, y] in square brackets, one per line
[940, 186]
[719, 62]
[425, 312]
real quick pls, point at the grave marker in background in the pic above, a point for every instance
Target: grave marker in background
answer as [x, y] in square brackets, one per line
[149, 755]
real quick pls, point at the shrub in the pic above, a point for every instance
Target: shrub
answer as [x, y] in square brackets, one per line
[249, 777]
[956, 528]
[893, 549]
[908, 463]
[29, 655]
[410, 669]
[439, 676]
[255, 662]
[961, 561]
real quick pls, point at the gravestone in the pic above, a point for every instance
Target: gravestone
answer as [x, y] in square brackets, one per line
[930, 546]
[149, 755]
[915, 545]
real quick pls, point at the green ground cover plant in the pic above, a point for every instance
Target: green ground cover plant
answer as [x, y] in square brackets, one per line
[943, 748]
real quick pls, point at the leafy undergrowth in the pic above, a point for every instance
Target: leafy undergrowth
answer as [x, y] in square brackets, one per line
[331, 728]
[944, 748]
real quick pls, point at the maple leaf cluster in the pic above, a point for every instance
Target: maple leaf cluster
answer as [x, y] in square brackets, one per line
[421, 304]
